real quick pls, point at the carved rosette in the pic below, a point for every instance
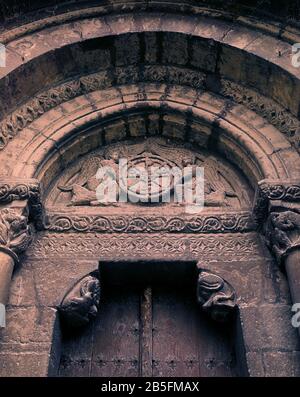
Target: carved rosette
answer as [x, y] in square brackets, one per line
[215, 296]
[15, 233]
[80, 305]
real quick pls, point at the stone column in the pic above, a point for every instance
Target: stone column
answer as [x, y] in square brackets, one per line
[278, 213]
[15, 236]
[19, 199]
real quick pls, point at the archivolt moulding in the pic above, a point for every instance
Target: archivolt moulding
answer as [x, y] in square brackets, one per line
[217, 50]
[248, 16]
[241, 136]
[277, 116]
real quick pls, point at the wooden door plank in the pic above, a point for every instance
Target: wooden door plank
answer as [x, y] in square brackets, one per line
[216, 355]
[116, 335]
[77, 353]
[175, 349]
[146, 333]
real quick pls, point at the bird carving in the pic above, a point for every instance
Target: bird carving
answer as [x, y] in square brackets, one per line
[86, 175]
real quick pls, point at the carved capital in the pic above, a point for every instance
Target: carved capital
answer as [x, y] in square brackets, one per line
[277, 212]
[80, 304]
[282, 232]
[12, 189]
[215, 296]
[15, 233]
[269, 193]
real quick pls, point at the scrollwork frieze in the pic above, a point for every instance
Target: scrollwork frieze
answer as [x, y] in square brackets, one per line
[222, 223]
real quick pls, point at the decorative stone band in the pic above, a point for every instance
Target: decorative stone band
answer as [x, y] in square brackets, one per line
[218, 223]
[155, 246]
[12, 189]
[216, 296]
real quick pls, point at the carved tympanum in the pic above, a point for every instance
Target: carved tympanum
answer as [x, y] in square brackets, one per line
[15, 233]
[81, 303]
[117, 166]
[216, 296]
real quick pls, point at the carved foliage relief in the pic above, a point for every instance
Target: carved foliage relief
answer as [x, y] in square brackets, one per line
[283, 232]
[277, 210]
[11, 190]
[217, 223]
[15, 233]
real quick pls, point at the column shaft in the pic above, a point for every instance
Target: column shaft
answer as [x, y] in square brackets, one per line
[6, 270]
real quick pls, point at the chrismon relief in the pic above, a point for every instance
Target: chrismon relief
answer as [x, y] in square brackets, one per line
[78, 187]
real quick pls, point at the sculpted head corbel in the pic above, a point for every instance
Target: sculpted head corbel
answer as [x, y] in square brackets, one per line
[81, 303]
[216, 296]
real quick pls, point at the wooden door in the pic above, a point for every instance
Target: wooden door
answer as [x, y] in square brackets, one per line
[154, 330]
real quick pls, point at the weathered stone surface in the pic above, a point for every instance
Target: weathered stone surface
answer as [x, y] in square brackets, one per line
[281, 364]
[270, 328]
[25, 365]
[46, 281]
[206, 76]
[255, 364]
[30, 345]
[242, 275]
